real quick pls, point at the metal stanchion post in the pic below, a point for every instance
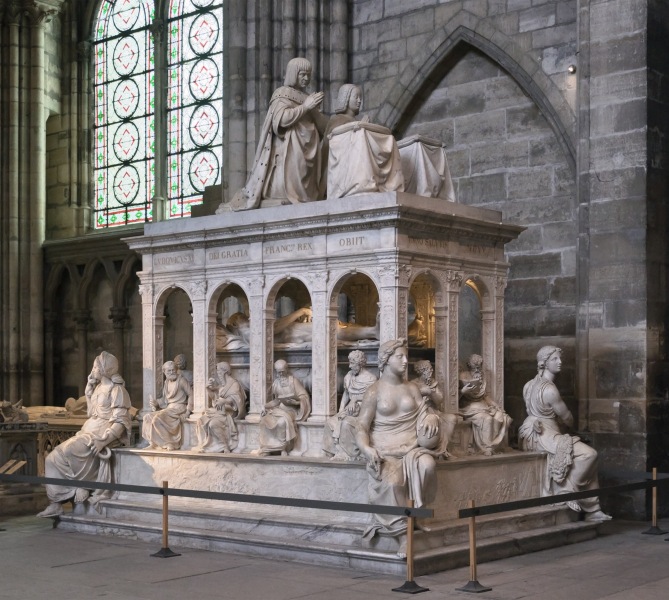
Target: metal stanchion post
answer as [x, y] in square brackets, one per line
[654, 529]
[410, 586]
[473, 585]
[165, 551]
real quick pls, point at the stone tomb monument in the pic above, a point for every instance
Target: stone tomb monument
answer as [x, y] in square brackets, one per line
[280, 278]
[403, 244]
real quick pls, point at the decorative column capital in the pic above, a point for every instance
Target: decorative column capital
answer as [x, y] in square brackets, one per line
[82, 318]
[119, 316]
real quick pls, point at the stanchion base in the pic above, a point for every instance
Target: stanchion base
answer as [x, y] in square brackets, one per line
[410, 587]
[165, 553]
[473, 587]
[654, 530]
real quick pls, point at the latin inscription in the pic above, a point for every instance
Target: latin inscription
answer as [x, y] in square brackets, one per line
[228, 254]
[288, 248]
[429, 244]
[349, 242]
[176, 259]
[478, 250]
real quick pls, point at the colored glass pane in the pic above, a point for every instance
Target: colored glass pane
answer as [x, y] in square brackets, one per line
[194, 101]
[124, 112]
[124, 105]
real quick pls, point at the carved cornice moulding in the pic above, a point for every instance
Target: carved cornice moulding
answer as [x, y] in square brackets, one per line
[405, 213]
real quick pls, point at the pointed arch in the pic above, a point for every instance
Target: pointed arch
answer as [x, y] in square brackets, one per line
[425, 71]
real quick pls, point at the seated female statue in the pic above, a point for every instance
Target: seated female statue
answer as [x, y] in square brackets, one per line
[397, 431]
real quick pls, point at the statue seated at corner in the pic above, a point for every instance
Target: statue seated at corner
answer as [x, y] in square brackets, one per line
[572, 464]
[162, 428]
[86, 456]
[398, 435]
[489, 422]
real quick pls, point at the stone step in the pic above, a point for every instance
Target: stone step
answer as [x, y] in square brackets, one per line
[334, 543]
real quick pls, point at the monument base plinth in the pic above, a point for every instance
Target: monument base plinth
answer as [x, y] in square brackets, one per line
[326, 537]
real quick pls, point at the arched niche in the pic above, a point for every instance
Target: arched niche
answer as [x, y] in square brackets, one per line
[356, 298]
[470, 326]
[231, 317]
[421, 312]
[293, 328]
[177, 313]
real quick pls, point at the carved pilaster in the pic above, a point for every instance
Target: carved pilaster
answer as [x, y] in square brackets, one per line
[258, 349]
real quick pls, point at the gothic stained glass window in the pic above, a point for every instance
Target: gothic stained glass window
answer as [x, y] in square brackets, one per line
[123, 150]
[125, 153]
[194, 101]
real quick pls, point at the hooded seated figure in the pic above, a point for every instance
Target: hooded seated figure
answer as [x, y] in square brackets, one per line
[86, 455]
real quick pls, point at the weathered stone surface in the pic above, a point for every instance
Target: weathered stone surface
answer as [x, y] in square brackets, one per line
[373, 35]
[615, 87]
[528, 292]
[504, 92]
[627, 54]
[397, 7]
[365, 12]
[529, 241]
[623, 184]
[480, 189]
[615, 118]
[617, 18]
[530, 183]
[417, 22]
[498, 156]
[537, 18]
[562, 35]
[488, 126]
[617, 247]
[566, 11]
[562, 290]
[617, 281]
[625, 313]
[541, 266]
[526, 121]
[620, 150]
[536, 210]
[557, 59]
